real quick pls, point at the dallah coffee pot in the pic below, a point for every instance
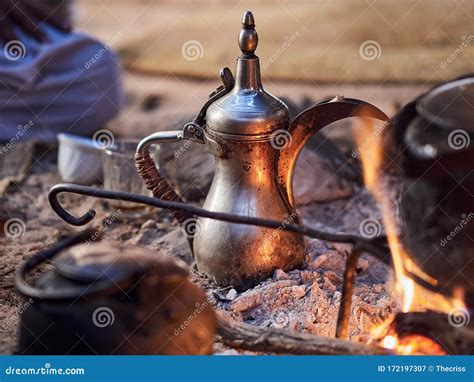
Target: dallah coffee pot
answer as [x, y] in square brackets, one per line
[255, 146]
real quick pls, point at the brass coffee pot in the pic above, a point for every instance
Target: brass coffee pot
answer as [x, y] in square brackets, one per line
[249, 226]
[255, 146]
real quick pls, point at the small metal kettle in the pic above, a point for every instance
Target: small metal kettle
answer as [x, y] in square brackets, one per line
[256, 147]
[100, 298]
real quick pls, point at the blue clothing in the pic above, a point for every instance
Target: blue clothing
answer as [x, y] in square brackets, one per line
[71, 84]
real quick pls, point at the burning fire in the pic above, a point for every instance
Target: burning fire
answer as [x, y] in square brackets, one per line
[411, 345]
[412, 296]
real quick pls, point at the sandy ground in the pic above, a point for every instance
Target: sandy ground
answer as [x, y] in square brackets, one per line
[310, 294]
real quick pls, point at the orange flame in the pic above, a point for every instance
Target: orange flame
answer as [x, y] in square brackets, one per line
[412, 296]
[371, 159]
[412, 345]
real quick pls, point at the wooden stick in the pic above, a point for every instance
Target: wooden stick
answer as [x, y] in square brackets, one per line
[344, 314]
[269, 340]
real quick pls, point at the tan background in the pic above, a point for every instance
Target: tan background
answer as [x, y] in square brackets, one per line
[415, 37]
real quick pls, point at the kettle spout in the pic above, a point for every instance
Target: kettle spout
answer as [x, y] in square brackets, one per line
[311, 121]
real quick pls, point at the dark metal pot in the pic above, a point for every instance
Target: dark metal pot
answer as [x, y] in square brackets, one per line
[432, 143]
[100, 299]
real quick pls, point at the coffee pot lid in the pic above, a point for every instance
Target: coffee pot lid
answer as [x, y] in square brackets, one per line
[248, 110]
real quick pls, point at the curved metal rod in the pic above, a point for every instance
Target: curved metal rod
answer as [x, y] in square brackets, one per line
[374, 246]
[32, 291]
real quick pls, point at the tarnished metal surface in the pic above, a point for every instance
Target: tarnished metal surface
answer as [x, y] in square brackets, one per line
[238, 129]
[245, 184]
[248, 131]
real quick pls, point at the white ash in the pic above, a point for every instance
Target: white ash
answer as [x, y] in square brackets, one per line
[308, 301]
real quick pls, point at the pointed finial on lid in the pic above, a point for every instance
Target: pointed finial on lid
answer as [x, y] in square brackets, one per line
[248, 38]
[248, 19]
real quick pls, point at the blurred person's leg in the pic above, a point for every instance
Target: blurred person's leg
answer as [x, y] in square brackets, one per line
[71, 83]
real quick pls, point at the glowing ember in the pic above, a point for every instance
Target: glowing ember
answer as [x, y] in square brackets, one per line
[413, 345]
[412, 296]
[385, 335]
[390, 342]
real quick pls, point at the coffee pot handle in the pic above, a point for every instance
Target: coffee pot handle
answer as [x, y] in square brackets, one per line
[311, 121]
[193, 131]
[150, 174]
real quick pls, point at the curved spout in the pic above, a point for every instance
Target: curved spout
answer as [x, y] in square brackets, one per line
[311, 121]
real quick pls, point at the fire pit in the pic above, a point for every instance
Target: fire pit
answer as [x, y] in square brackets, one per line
[435, 307]
[234, 249]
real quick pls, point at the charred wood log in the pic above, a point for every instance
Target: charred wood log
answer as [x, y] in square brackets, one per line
[242, 336]
[453, 335]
